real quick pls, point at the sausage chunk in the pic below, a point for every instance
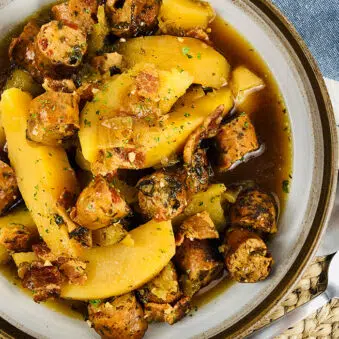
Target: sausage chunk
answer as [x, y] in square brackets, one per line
[60, 48]
[199, 261]
[161, 196]
[9, 191]
[16, 239]
[255, 209]
[77, 13]
[108, 62]
[246, 256]
[199, 227]
[135, 17]
[99, 205]
[45, 281]
[59, 85]
[198, 172]
[235, 140]
[22, 50]
[122, 318]
[167, 312]
[164, 288]
[53, 118]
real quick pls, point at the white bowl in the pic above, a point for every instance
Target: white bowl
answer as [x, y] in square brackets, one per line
[307, 210]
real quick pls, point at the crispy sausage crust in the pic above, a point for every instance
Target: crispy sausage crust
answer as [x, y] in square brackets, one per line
[9, 191]
[255, 209]
[235, 140]
[161, 196]
[246, 256]
[122, 318]
[99, 205]
[53, 118]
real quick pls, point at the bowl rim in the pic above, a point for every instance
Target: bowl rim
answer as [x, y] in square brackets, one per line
[329, 179]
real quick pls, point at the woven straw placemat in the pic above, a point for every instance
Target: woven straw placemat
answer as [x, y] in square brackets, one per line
[324, 324]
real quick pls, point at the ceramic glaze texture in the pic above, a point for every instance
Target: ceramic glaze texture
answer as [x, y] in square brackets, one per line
[295, 223]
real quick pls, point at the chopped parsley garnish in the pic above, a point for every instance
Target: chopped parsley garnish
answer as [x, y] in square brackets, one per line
[186, 51]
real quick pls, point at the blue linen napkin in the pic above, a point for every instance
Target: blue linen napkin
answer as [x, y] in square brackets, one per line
[317, 21]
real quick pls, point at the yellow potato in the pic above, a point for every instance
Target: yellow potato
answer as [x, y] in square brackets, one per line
[43, 173]
[194, 93]
[109, 235]
[211, 201]
[17, 218]
[243, 83]
[177, 16]
[160, 144]
[101, 128]
[119, 269]
[208, 67]
[20, 258]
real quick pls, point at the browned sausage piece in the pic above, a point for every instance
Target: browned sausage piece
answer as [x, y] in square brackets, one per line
[122, 318]
[53, 118]
[77, 13]
[8, 187]
[107, 62]
[198, 173]
[166, 312]
[60, 48]
[255, 209]
[44, 280]
[164, 288]
[199, 227]
[16, 239]
[161, 196]
[136, 17]
[99, 205]
[235, 140]
[59, 85]
[199, 261]
[246, 256]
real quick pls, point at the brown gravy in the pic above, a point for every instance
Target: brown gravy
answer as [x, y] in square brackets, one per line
[272, 170]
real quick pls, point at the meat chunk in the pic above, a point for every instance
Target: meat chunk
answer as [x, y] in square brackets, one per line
[167, 312]
[122, 318]
[22, 50]
[9, 191]
[235, 140]
[198, 173]
[164, 288]
[44, 281]
[73, 269]
[199, 226]
[135, 17]
[53, 118]
[255, 209]
[161, 196]
[82, 235]
[207, 129]
[199, 261]
[246, 256]
[16, 239]
[108, 62]
[109, 235]
[62, 85]
[79, 14]
[60, 49]
[99, 205]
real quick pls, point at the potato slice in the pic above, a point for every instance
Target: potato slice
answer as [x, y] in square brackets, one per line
[211, 201]
[43, 174]
[243, 83]
[102, 128]
[160, 144]
[119, 269]
[20, 258]
[177, 16]
[208, 67]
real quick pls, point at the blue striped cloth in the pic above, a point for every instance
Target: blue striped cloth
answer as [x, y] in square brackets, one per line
[317, 21]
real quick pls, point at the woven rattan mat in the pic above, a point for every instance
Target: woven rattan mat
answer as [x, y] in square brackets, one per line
[324, 324]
